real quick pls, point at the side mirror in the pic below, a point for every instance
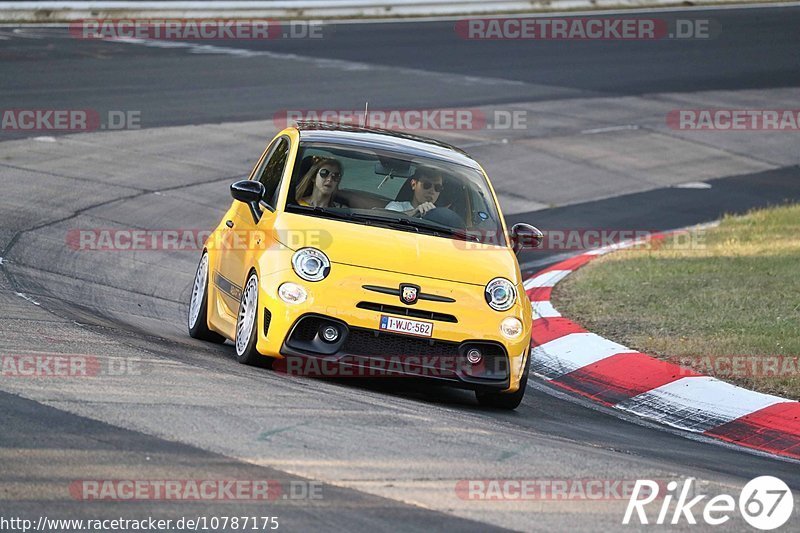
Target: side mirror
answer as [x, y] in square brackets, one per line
[249, 192]
[525, 236]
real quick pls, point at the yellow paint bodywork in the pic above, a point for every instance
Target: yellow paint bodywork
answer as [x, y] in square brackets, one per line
[361, 255]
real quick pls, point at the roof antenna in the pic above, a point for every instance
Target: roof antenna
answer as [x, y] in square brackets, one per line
[365, 124]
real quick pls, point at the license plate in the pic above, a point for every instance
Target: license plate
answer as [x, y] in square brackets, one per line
[404, 325]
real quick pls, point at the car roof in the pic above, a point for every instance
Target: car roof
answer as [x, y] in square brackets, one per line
[395, 141]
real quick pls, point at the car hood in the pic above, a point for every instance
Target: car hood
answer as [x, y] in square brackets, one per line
[404, 252]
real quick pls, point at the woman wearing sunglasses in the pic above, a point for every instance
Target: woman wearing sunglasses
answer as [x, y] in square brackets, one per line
[426, 185]
[319, 185]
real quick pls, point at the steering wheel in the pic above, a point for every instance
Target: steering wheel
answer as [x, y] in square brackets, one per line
[446, 217]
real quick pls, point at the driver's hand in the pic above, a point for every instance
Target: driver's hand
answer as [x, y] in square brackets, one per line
[424, 208]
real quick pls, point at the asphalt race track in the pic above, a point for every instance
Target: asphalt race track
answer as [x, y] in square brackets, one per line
[595, 151]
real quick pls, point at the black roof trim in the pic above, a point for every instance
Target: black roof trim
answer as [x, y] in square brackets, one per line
[306, 125]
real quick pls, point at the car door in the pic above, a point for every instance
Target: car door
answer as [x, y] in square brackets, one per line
[247, 227]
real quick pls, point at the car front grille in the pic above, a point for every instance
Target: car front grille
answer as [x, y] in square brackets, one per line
[407, 311]
[373, 343]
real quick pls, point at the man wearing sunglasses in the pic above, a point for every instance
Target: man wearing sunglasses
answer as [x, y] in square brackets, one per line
[426, 185]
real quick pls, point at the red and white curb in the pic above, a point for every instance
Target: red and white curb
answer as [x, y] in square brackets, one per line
[572, 358]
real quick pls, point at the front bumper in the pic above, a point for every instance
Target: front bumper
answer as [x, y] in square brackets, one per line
[360, 352]
[461, 320]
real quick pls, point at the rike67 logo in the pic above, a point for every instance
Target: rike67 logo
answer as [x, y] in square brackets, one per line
[765, 503]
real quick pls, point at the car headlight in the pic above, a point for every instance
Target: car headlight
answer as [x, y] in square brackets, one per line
[500, 294]
[311, 264]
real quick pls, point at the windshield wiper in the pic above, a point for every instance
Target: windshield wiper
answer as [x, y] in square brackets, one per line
[418, 224]
[323, 212]
[398, 222]
[457, 232]
[394, 222]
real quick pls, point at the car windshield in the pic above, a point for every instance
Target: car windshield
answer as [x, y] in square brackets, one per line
[395, 190]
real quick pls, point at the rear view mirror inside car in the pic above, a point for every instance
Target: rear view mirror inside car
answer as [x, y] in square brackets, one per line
[394, 167]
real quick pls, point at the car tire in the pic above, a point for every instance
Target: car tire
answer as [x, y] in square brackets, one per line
[247, 326]
[197, 315]
[501, 400]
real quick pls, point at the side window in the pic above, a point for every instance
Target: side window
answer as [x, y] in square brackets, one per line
[272, 170]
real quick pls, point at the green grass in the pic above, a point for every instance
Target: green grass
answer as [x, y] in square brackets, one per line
[733, 290]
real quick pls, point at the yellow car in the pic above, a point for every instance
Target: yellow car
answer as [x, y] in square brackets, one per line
[372, 250]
